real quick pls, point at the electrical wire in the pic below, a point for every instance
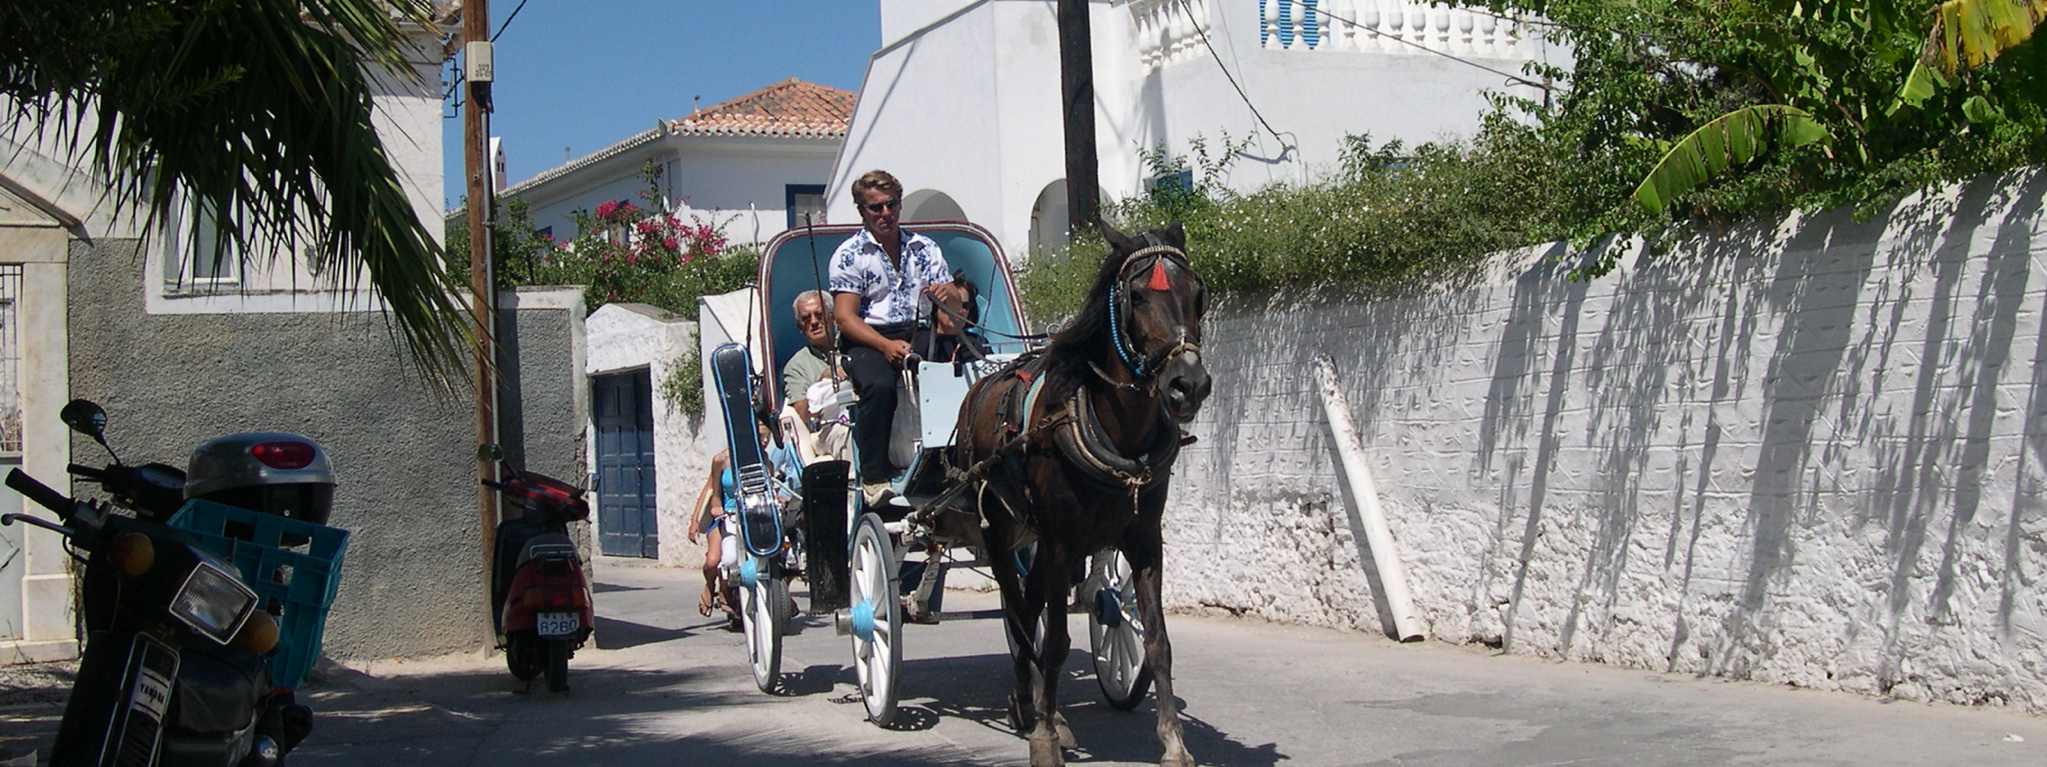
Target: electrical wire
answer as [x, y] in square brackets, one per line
[508, 19]
[1512, 78]
[1184, 5]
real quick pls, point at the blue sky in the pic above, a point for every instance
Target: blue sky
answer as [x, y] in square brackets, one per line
[583, 75]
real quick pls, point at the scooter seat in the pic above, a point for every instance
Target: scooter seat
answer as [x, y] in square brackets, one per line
[219, 688]
[548, 546]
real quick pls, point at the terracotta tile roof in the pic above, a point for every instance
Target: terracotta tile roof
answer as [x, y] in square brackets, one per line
[791, 108]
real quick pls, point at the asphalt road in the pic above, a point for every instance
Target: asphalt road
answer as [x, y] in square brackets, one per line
[664, 686]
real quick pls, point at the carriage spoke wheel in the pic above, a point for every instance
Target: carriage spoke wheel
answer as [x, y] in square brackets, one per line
[1115, 632]
[877, 619]
[764, 610]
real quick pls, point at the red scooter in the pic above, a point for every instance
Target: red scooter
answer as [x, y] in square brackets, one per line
[539, 596]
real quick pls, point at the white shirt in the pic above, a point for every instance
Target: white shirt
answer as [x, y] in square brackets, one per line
[887, 296]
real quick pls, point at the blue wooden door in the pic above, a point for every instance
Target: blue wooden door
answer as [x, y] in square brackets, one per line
[625, 465]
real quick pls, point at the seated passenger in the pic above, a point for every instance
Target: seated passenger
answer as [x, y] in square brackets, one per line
[949, 339]
[808, 369]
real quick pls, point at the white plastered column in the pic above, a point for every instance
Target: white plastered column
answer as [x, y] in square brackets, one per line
[40, 247]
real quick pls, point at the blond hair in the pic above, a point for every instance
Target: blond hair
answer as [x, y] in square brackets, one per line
[877, 179]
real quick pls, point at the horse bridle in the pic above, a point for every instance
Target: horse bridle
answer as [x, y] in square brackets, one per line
[1144, 366]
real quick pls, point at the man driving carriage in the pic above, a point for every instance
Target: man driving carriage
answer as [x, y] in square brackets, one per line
[877, 277]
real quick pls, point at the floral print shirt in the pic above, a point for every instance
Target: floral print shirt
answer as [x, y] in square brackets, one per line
[888, 296]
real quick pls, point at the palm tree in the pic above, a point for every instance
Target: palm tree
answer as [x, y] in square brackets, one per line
[254, 112]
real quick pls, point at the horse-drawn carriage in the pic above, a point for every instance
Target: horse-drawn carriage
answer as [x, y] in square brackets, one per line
[973, 487]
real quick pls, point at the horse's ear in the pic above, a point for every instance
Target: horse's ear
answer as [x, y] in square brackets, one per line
[1176, 234]
[1119, 241]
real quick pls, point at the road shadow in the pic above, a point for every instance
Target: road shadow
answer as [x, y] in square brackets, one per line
[474, 716]
[975, 688]
[615, 634]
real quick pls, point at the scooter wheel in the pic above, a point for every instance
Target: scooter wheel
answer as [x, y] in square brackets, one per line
[525, 658]
[558, 653]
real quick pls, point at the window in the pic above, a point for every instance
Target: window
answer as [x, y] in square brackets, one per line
[805, 203]
[201, 258]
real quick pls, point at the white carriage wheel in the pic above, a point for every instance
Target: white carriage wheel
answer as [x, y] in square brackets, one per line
[879, 656]
[1115, 631]
[762, 611]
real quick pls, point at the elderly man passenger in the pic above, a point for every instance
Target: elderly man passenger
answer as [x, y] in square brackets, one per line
[808, 382]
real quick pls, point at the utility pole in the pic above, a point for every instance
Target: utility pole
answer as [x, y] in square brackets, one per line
[479, 69]
[1077, 100]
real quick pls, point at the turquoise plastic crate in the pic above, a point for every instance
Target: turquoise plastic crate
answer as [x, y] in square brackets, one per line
[302, 584]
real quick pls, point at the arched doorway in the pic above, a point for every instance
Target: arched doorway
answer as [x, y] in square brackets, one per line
[931, 205]
[1049, 219]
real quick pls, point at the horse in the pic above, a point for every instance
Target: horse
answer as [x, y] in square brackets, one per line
[1075, 446]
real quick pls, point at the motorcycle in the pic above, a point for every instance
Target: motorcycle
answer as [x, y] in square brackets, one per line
[174, 668]
[539, 596]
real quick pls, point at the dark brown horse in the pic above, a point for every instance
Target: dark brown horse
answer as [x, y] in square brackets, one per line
[1074, 450]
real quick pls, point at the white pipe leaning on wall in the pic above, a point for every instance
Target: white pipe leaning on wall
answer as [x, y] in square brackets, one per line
[1350, 463]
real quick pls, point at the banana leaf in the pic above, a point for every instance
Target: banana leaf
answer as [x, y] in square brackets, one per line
[1728, 140]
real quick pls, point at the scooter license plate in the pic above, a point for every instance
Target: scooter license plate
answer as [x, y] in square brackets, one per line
[556, 624]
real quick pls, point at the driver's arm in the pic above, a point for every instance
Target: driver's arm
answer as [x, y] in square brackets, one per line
[846, 309]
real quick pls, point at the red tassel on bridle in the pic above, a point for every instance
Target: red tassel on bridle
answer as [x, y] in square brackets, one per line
[1159, 281]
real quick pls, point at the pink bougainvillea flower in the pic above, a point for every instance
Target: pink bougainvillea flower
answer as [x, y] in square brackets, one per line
[669, 242]
[632, 259]
[605, 209]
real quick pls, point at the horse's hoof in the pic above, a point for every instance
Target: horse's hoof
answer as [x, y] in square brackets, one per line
[1065, 733]
[1182, 759]
[1045, 752]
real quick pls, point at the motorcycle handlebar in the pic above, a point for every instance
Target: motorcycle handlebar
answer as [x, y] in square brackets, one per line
[38, 492]
[88, 472]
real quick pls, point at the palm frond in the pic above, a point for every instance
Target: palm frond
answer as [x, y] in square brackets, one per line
[257, 113]
[1728, 140]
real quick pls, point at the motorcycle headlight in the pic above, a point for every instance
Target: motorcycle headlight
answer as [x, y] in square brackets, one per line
[213, 602]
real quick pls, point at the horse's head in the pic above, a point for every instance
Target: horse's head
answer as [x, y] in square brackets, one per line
[1156, 303]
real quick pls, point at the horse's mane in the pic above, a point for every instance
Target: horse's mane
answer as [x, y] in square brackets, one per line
[1087, 336]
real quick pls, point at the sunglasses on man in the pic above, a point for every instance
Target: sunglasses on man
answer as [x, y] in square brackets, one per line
[884, 205]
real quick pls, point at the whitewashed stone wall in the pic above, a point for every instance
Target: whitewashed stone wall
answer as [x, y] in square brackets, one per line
[623, 337]
[1809, 452]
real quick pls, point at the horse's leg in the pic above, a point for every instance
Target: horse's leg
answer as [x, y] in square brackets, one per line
[1145, 550]
[1016, 619]
[1058, 643]
[1047, 586]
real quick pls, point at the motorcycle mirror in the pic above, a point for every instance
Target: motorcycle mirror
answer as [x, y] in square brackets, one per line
[85, 417]
[88, 418]
[489, 452]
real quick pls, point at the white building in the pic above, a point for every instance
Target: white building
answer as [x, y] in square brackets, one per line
[962, 101]
[754, 164]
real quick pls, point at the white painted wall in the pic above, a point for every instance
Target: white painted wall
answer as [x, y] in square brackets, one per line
[971, 106]
[1806, 452]
[629, 336]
